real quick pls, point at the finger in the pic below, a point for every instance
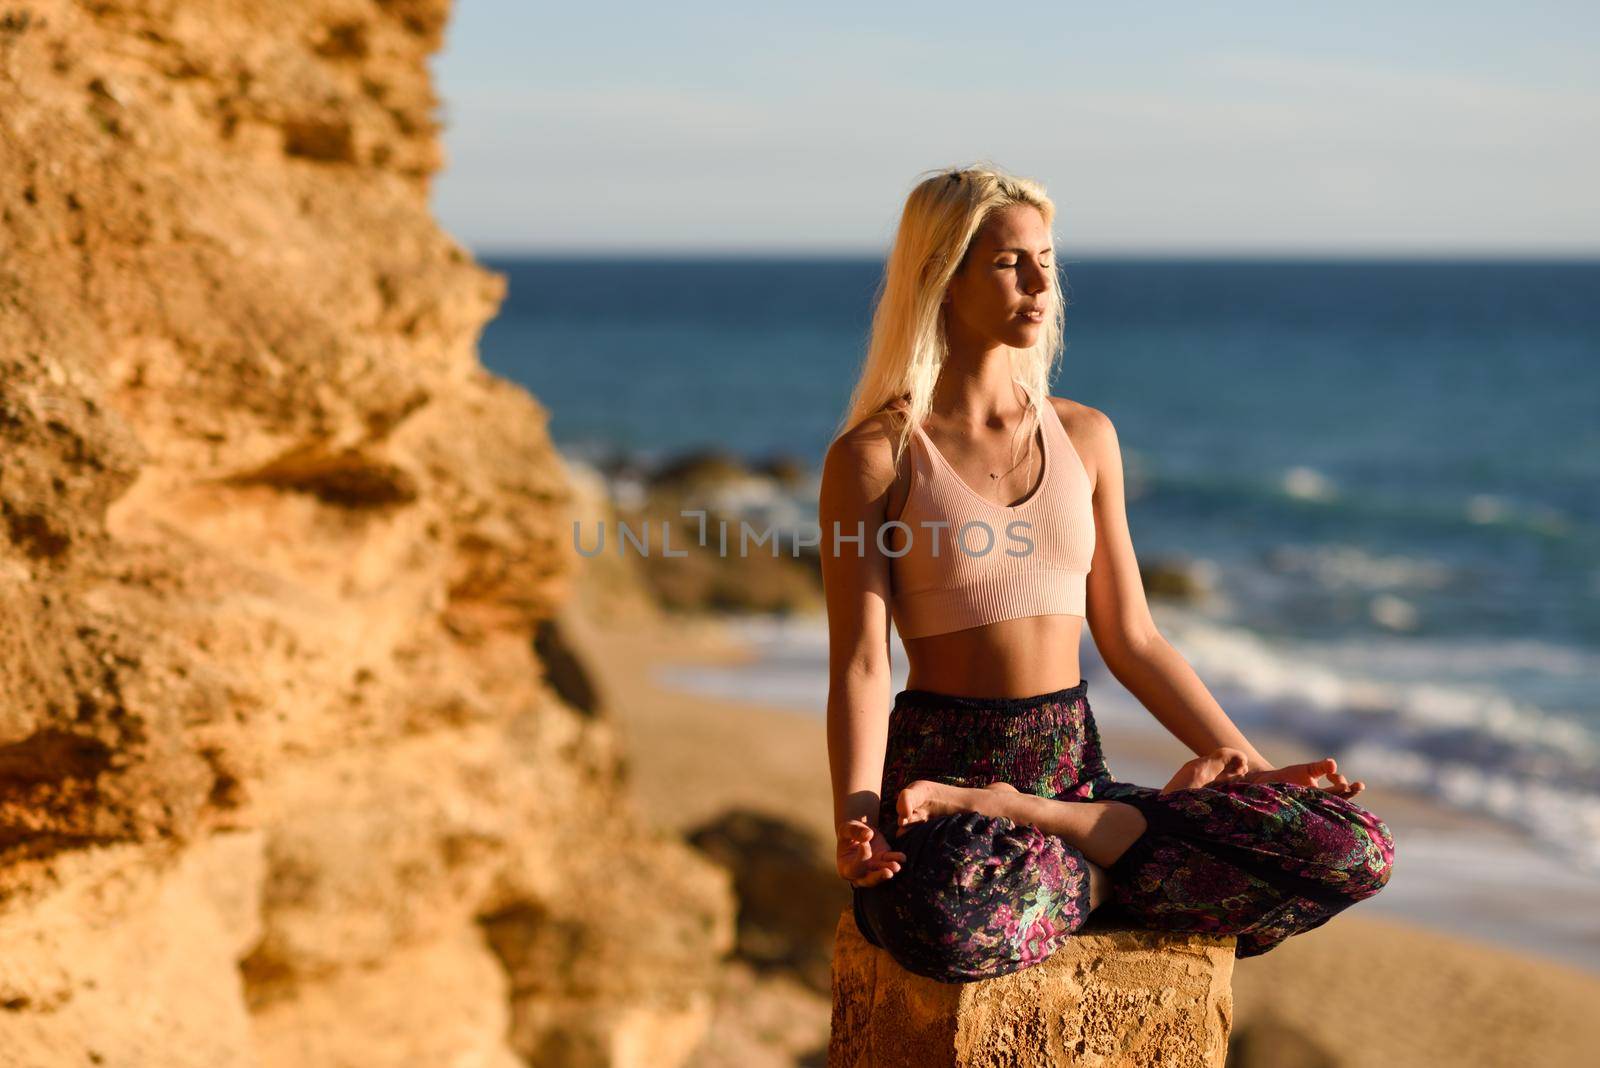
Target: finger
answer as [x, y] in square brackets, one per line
[1308, 772]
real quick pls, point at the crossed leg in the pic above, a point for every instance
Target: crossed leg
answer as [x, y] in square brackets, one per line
[997, 878]
[1101, 830]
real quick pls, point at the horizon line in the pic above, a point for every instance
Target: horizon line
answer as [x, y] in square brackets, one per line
[1243, 254]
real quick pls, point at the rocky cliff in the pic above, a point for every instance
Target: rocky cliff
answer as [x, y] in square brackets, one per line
[295, 767]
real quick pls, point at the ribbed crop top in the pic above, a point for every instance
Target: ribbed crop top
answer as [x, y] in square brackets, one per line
[1027, 559]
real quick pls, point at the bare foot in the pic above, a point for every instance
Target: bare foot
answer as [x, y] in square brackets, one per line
[925, 799]
[1219, 765]
[1101, 830]
[1099, 884]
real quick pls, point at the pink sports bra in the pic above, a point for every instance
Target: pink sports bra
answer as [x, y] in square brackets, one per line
[965, 561]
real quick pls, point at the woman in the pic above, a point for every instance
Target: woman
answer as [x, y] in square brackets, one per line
[978, 822]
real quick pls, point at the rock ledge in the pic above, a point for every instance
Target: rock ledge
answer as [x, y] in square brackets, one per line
[1109, 996]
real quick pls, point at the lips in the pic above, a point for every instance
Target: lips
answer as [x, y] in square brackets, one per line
[1033, 315]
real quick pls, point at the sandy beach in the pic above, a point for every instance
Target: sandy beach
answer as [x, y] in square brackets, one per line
[1453, 963]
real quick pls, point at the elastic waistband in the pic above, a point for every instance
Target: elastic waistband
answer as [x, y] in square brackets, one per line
[934, 699]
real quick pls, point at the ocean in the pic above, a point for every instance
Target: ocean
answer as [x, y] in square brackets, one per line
[1389, 471]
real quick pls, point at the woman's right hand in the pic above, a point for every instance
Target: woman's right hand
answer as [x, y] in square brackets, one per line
[865, 858]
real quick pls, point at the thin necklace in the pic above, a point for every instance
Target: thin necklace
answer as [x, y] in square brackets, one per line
[1028, 456]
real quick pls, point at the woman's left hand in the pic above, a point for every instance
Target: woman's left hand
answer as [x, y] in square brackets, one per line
[1307, 775]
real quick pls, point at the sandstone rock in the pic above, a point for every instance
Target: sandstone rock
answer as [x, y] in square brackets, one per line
[294, 766]
[129, 956]
[1108, 997]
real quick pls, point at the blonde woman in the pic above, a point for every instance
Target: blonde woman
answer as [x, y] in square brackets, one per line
[978, 821]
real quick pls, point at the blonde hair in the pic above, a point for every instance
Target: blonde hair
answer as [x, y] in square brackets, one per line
[907, 348]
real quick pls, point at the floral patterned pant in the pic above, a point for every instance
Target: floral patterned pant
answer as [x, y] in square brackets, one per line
[982, 896]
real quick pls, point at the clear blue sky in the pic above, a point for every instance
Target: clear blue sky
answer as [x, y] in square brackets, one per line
[1388, 128]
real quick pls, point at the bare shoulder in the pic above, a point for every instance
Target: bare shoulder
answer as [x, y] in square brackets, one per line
[1084, 421]
[860, 462]
[1092, 434]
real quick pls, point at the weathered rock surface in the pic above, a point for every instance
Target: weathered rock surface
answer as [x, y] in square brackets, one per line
[1111, 997]
[294, 766]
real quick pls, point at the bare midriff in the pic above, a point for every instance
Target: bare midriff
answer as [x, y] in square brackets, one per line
[1012, 658]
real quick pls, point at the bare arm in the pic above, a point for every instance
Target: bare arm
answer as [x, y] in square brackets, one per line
[856, 476]
[1119, 616]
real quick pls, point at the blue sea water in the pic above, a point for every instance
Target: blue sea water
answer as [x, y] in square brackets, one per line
[1390, 469]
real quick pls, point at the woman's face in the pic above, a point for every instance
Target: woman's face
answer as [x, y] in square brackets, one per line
[1008, 272]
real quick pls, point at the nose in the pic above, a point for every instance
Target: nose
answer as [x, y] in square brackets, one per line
[1036, 279]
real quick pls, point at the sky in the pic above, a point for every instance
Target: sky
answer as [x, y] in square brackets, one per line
[1394, 129]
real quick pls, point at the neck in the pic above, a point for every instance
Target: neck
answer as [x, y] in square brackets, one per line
[976, 387]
